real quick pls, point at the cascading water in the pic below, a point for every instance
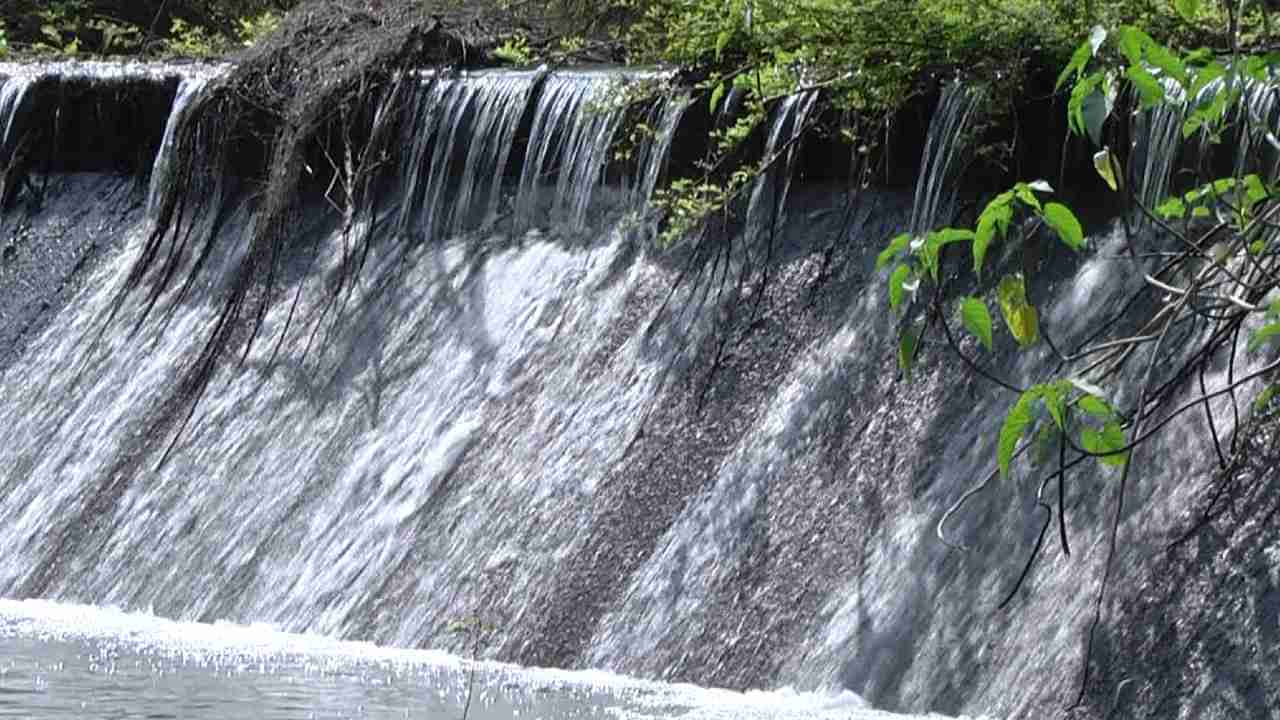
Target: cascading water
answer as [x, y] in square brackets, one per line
[519, 433]
[770, 190]
[573, 128]
[655, 147]
[940, 163]
[461, 138]
[189, 88]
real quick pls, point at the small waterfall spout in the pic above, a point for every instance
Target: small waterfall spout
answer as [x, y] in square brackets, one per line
[462, 134]
[573, 127]
[189, 88]
[655, 150]
[13, 89]
[941, 162]
[769, 193]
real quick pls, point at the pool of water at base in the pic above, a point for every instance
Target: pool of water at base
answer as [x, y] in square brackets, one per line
[72, 661]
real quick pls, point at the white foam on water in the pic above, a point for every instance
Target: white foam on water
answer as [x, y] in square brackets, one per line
[240, 652]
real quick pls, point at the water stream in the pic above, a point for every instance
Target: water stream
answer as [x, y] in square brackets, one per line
[534, 423]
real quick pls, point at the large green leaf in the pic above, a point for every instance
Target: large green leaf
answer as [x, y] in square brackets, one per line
[1095, 110]
[1105, 443]
[977, 320]
[1079, 59]
[1095, 406]
[896, 246]
[1014, 427]
[1149, 89]
[992, 224]
[1064, 222]
[934, 243]
[1019, 315]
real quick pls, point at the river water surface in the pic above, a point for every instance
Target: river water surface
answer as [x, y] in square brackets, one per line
[70, 661]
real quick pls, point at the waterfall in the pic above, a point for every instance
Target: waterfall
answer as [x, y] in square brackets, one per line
[460, 141]
[573, 127]
[189, 88]
[528, 431]
[1156, 145]
[771, 187]
[655, 148]
[13, 88]
[940, 162]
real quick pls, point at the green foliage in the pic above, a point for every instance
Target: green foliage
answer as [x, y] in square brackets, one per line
[977, 320]
[1019, 315]
[4, 42]
[190, 40]
[252, 28]
[515, 50]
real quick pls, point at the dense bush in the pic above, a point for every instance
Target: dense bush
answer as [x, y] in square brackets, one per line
[130, 27]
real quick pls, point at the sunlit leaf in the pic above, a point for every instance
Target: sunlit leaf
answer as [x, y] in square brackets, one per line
[716, 94]
[1105, 443]
[1019, 315]
[977, 320]
[1265, 397]
[1104, 161]
[1095, 406]
[1064, 222]
[992, 224]
[1171, 209]
[1014, 427]
[1149, 89]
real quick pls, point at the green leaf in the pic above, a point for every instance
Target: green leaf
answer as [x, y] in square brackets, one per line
[1062, 220]
[1079, 60]
[1254, 190]
[1149, 89]
[1263, 335]
[1094, 111]
[897, 281]
[1168, 63]
[977, 320]
[1084, 88]
[1054, 397]
[1024, 194]
[895, 248]
[1187, 9]
[716, 94]
[1170, 209]
[1095, 406]
[1131, 40]
[1105, 443]
[992, 223]
[1014, 427]
[1019, 315]
[907, 351]
[1204, 76]
[723, 38]
[1104, 161]
[935, 242]
[1265, 397]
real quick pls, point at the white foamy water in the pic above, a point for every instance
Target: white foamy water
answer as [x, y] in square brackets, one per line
[61, 660]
